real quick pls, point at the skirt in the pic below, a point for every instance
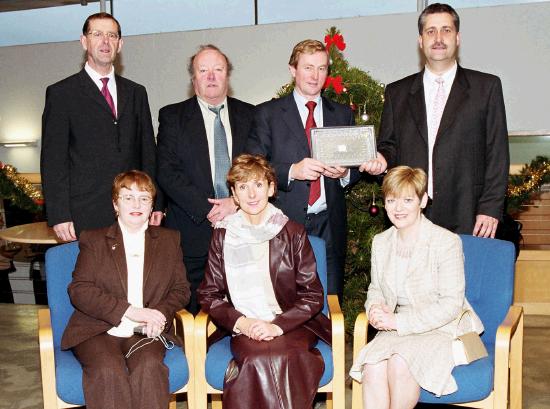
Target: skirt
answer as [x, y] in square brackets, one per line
[428, 355]
[283, 373]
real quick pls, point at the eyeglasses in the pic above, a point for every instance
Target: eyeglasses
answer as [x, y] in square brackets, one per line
[100, 34]
[130, 199]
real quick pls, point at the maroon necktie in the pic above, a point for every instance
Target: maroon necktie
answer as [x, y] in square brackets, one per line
[315, 186]
[105, 92]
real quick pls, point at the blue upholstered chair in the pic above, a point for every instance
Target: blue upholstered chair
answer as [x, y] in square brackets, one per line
[495, 381]
[61, 371]
[210, 365]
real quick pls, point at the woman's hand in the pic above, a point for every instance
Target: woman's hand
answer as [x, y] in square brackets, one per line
[154, 320]
[382, 317]
[258, 330]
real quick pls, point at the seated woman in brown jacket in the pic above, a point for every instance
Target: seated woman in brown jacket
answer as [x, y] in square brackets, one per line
[261, 286]
[127, 275]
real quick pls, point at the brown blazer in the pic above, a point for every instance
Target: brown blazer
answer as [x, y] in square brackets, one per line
[298, 289]
[98, 291]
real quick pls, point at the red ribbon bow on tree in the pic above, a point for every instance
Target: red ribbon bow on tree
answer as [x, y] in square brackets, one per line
[337, 40]
[335, 82]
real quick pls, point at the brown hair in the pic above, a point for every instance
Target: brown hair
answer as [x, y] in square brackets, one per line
[247, 166]
[402, 178]
[126, 179]
[437, 8]
[99, 16]
[190, 68]
[305, 47]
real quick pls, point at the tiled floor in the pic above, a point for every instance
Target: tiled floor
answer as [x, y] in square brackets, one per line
[20, 386]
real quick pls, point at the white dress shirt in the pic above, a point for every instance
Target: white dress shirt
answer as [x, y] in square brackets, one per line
[111, 85]
[209, 117]
[430, 90]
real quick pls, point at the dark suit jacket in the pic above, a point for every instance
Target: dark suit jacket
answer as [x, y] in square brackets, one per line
[293, 271]
[278, 133]
[84, 148]
[470, 157]
[99, 291]
[184, 171]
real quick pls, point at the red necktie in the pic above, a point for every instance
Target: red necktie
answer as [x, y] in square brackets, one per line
[105, 92]
[315, 186]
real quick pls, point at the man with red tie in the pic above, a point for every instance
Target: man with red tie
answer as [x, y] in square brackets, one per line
[308, 191]
[95, 125]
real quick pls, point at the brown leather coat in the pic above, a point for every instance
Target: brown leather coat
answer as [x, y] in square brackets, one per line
[98, 291]
[293, 272]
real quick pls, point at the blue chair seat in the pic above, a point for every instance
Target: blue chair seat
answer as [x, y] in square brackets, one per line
[219, 355]
[475, 382]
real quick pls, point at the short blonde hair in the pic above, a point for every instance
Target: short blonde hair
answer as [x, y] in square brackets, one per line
[305, 47]
[126, 179]
[246, 167]
[402, 179]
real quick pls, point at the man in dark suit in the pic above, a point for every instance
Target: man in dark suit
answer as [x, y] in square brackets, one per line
[95, 125]
[308, 191]
[451, 122]
[197, 139]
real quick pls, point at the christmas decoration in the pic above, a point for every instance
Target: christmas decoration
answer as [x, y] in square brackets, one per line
[529, 180]
[19, 190]
[348, 85]
[373, 209]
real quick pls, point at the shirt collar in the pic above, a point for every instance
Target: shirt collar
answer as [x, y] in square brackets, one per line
[301, 100]
[447, 76]
[97, 76]
[206, 105]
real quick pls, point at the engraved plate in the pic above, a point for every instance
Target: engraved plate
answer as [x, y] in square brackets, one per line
[343, 145]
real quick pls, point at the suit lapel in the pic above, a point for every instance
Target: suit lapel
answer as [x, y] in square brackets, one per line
[277, 248]
[329, 119]
[457, 97]
[151, 241]
[122, 96]
[193, 124]
[417, 105]
[238, 135]
[115, 243]
[90, 89]
[291, 116]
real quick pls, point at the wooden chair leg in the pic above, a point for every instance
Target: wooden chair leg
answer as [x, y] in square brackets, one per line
[216, 401]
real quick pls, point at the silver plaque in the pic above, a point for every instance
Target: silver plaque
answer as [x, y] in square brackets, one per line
[343, 145]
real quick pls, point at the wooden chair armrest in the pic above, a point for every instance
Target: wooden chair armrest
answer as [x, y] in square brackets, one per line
[508, 356]
[338, 352]
[360, 332]
[47, 361]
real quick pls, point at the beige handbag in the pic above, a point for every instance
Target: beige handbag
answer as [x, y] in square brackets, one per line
[467, 347]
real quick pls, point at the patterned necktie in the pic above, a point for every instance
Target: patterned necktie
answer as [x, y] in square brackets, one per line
[315, 186]
[221, 156]
[105, 92]
[435, 119]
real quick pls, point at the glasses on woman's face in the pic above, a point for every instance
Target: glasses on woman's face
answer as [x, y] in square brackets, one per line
[130, 199]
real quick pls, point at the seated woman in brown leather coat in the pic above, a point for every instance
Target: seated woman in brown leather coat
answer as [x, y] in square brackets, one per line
[262, 287]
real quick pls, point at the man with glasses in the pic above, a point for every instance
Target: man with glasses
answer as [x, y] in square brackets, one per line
[95, 125]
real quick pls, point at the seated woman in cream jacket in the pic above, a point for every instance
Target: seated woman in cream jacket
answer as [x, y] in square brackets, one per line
[414, 299]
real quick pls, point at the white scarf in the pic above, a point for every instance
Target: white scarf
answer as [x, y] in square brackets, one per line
[246, 259]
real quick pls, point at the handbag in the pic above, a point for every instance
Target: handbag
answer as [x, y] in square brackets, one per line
[467, 347]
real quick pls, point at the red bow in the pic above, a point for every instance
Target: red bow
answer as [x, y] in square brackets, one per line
[336, 83]
[337, 40]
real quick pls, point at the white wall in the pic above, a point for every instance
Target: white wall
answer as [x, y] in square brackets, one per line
[510, 41]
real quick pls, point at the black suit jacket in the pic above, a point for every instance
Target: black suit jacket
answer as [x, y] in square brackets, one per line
[99, 289]
[84, 148]
[278, 133]
[184, 171]
[470, 157]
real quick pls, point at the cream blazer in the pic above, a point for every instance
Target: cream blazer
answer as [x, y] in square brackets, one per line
[434, 281]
